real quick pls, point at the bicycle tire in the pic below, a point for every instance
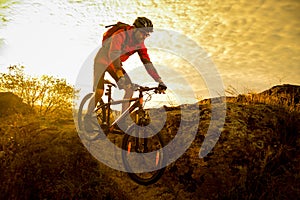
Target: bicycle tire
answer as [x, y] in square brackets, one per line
[87, 135]
[144, 178]
[80, 115]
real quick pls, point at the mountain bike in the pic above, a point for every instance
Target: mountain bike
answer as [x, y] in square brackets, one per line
[142, 144]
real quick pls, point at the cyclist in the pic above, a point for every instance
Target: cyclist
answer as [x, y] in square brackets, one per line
[117, 49]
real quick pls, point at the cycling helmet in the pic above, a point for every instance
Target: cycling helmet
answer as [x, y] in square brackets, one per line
[145, 23]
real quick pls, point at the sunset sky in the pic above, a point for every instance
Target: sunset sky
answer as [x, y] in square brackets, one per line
[252, 44]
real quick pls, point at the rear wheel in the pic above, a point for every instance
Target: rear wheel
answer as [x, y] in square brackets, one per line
[83, 106]
[143, 156]
[94, 122]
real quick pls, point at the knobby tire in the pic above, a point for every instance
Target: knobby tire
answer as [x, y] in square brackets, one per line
[139, 177]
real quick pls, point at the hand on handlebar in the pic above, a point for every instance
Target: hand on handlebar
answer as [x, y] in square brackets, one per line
[162, 87]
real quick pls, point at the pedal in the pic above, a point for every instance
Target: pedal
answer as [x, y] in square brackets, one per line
[104, 127]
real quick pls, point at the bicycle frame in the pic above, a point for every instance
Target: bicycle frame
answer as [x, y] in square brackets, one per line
[133, 142]
[138, 103]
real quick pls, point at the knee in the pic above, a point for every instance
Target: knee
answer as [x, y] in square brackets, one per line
[128, 93]
[99, 93]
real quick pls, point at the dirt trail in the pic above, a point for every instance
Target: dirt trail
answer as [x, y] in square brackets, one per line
[169, 187]
[182, 179]
[160, 190]
[237, 164]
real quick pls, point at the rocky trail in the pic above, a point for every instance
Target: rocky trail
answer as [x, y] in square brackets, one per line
[257, 155]
[249, 150]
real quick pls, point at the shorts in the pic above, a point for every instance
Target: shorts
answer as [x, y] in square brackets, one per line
[99, 72]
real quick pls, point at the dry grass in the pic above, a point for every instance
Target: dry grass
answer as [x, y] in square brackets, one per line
[44, 159]
[284, 96]
[273, 173]
[256, 157]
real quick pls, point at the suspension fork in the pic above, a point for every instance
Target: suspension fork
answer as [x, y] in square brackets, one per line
[139, 122]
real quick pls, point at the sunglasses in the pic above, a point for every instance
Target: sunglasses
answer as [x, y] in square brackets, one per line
[144, 33]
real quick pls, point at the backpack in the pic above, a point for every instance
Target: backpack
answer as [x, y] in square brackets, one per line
[113, 29]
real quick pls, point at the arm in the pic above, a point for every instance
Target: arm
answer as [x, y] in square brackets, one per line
[148, 64]
[151, 69]
[114, 53]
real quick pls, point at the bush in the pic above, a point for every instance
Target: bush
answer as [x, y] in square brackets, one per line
[46, 94]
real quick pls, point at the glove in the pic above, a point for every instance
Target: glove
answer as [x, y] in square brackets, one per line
[162, 86]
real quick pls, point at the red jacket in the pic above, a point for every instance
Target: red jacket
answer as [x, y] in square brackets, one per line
[125, 45]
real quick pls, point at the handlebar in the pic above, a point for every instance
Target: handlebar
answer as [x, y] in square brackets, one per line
[139, 88]
[146, 89]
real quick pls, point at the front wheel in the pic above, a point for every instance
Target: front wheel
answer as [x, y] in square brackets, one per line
[143, 156]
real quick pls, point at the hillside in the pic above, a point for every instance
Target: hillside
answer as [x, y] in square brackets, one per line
[256, 157]
[12, 104]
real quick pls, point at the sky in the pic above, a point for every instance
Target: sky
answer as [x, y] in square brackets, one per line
[250, 45]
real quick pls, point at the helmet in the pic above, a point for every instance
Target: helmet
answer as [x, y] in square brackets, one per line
[145, 23]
